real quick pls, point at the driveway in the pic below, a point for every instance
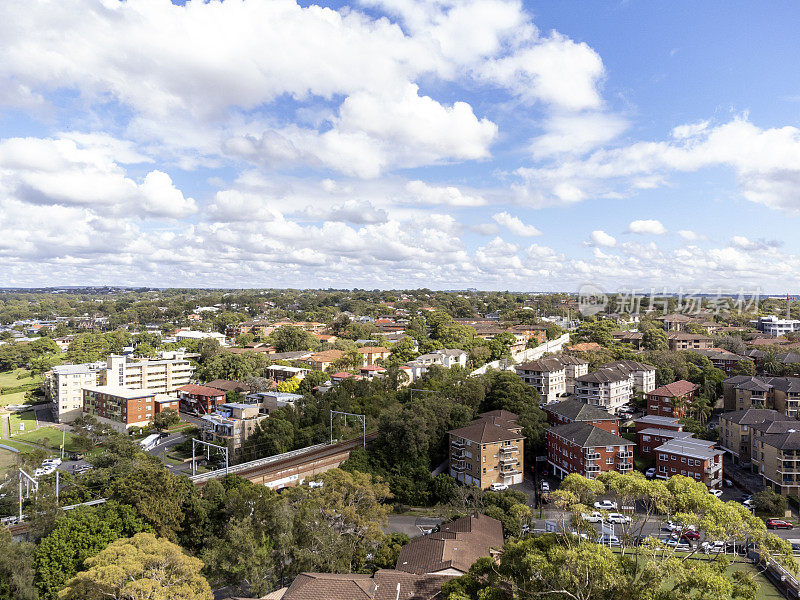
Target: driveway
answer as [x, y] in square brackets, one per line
[410, 525]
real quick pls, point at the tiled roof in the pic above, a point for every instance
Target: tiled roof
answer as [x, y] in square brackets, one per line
[585, 347]
[676, 388]
[228, 385]
[544, 365]
[604, 375]
[506, 415]
[575, 410]
[658, 420]
[373, 349]
[201, 390]
[752, 416]
[326, 356]
[588, 436]
[487, 431]
[456, 545]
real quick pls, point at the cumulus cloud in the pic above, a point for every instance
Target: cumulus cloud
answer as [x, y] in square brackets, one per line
[647, 227]
[690, 236]
[601, 238]
[515, 225]
[423, 193]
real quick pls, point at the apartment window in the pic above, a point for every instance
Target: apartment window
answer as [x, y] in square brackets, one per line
[645, 438]
[484, 470]
[484, 460]
[662, 457]
[683, 472]
[683, 459]
[610, 460]
[673, 469]
[609, 448]
[646, 449]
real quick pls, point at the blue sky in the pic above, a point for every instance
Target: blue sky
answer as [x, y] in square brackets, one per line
[395, 143]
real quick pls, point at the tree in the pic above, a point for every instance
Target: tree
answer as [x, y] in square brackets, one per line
[140, 567]
[289, 338]
[654, 339]
[744, 367]
[16, 568]
[80, 534]
[166, 419]
[290, 385]
[769, 503]
[311, 380]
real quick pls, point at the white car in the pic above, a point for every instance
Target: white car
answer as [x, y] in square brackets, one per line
[650, 473]
[595, 517]
[545, 486]
[51, 461]
[608, 540]
[498, 487]
[715, 547]
[715, 493]
[605, 505]
[618, 519]
[749, 503]
[39, 472]
[315, 484]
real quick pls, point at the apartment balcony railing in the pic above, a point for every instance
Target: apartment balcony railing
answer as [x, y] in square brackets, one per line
[592, 468]
[591, 456]
[509, 449]
[624, 466]
[625, 454]
[713, 469]
[457, 444]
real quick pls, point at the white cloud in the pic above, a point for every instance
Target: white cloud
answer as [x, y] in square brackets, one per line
[689, 236]
[601, 238]
[423, 193]
[647, 227]
[577, 133]
[515, 225]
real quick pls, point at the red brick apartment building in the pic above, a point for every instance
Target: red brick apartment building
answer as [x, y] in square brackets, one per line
[672, 399]
[583, 448]
[200, 399]
[692, 458]
[654, 430]
[122, 408]
[570, 411]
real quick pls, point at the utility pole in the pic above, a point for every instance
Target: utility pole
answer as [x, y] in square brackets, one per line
[363, 419]
[208, 446]
[63, 439]
[28, 481]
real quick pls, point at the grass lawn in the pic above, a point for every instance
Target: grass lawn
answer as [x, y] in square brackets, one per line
[766, 591]
[51, 437]
[7, 459]
[28, 418]
[9, 378]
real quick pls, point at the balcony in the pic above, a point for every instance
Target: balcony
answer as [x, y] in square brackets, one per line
[508, 459]
[592, 468]
[509, 449]
[591, 456]
[713, 469]
[458, 465]
[625, 454]
[457, 444]
[624, 466]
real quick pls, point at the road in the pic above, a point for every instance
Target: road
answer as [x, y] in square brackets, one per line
[411, 525]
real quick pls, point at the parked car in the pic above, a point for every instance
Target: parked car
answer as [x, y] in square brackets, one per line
[315, 484]
[608, 540]
[779, 524]
[618, 518]
[51, 461]
[605, 505]
[749, 503]
[498, 487]
[595, 517]
[81, 469]
[650, 473]
[672, 526]
[545, 486]
[690, 535]
[683, 545]
[745, 498]
[727, 482]
[715, 493]
[715, 547]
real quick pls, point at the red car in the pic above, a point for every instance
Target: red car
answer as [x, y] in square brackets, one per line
[779, 524]
[690, 535]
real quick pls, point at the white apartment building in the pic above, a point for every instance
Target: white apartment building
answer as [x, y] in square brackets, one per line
[186, 334]
[608, 388]
[547, 376]
[166, 374]
[644, 376]
[64, 388]
[446, 358]
[573, 367]
[772, 325]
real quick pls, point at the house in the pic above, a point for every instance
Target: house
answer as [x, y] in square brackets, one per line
[270, 401]
[643, 375]
[200, 399]
[372, 354]
[231, 425]
[279, 373]
[690, 457]
[453, 549]
[321, 361]
[580, 447]
[574, 367]
[344, 375]
[185, 334]
[572, 410]
[735, 434]
[671, 400]
[547, 376]
[371, 371]
[722, 359]
[689, 341]
[488, 450]
[227, 385]
[385, 584]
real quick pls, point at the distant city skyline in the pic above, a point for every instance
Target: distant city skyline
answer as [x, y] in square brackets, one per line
[390, 144]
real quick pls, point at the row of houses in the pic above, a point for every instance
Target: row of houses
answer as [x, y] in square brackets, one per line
[423, 565]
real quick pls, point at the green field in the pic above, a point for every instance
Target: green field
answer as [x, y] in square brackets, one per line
[7, 459]
[9, 378]
[766, 591]
[48, 436]
[28, 418]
